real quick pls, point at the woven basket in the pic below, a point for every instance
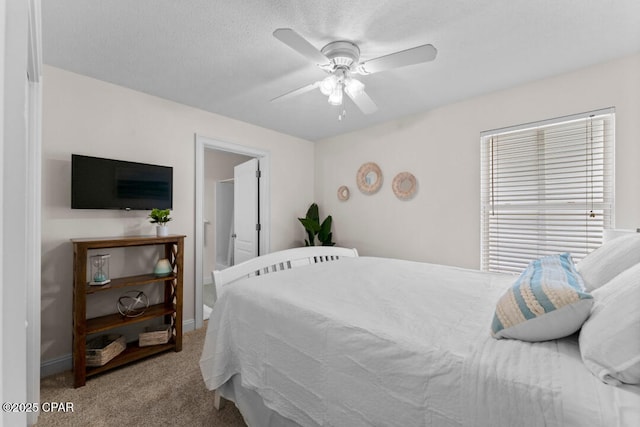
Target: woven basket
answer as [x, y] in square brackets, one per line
[155, 335]
[101, 349]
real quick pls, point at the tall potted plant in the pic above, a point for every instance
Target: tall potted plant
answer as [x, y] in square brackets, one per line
[313, 227]
[161, 218]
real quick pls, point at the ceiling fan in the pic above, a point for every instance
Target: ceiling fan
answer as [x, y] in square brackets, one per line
[340, 59]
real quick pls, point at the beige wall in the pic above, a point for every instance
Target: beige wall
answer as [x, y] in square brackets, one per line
[91, 117]
[441, 148]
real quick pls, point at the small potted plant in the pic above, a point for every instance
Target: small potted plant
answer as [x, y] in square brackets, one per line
[313, 227]
[160, 217]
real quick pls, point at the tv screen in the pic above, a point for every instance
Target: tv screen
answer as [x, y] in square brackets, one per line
[98, 183]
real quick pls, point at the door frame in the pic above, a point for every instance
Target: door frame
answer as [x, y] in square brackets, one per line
[203, 143]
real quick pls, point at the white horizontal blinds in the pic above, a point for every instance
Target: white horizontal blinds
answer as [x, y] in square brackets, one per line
[546, 189]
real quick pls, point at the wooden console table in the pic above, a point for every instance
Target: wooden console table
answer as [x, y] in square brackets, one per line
[170, 308]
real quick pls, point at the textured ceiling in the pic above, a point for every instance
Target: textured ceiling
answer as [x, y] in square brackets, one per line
[220, 56]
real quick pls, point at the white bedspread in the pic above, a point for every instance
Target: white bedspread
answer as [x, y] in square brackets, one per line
[382, 342]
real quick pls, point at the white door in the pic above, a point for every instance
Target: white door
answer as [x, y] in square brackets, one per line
[245, 211]
[224, 224]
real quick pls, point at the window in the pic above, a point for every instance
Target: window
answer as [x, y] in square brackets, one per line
[546, 188]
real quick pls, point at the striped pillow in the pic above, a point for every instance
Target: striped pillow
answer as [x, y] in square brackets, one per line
[548, 301]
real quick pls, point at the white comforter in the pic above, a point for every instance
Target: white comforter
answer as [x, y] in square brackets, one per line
[382, 342]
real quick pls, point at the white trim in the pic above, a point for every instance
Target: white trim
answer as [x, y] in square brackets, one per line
[18, 212]
[548, 122]
[188, 325]
[264, 157]
[56, 365]
[34, 64]
[3, 59]
[34, 239]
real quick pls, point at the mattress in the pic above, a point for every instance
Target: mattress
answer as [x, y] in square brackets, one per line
[376, 341]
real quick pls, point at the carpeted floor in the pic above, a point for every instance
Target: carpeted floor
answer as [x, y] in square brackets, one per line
[165, 390]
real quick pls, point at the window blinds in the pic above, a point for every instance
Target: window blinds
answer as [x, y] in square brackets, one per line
[546, 188]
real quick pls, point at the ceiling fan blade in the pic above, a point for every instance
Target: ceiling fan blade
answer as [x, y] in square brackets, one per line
[363, 101]
[415, 55]
[298, 43]
[296, 92]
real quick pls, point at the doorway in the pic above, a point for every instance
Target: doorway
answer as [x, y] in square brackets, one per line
[215, 164]
[230, 201]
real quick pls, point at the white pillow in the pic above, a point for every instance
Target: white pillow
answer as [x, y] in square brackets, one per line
[610, 338]
[548, 301]
[609, 260]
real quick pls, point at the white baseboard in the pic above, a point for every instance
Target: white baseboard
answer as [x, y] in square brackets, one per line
[54, 366]
[65, 363]
[188, 325]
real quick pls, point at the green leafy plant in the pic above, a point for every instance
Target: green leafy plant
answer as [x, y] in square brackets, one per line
[313, 227]
[160, 216]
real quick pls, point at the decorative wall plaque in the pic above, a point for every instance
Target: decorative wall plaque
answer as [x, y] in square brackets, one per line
[369, 178]
[404, 185]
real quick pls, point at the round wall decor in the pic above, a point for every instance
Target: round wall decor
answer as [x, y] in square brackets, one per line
[369, 178]
[343, 193]
[404, 185]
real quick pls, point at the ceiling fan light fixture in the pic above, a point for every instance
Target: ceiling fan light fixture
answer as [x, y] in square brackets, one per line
[353, 87]
[336, 96]
[340, 59]
[328, 84]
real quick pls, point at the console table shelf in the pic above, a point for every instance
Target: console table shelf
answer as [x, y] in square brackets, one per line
[170, 308]
[104, 323]
[132, 353]
[121, 282]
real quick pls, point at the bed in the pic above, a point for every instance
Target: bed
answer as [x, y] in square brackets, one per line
[323, 337]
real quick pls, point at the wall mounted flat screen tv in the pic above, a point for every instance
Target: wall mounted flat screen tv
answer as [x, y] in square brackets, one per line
[98, 183]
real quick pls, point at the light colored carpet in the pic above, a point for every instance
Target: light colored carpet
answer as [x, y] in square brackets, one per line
[165, 390]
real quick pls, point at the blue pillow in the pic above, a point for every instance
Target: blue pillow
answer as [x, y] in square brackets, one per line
[548, 301]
